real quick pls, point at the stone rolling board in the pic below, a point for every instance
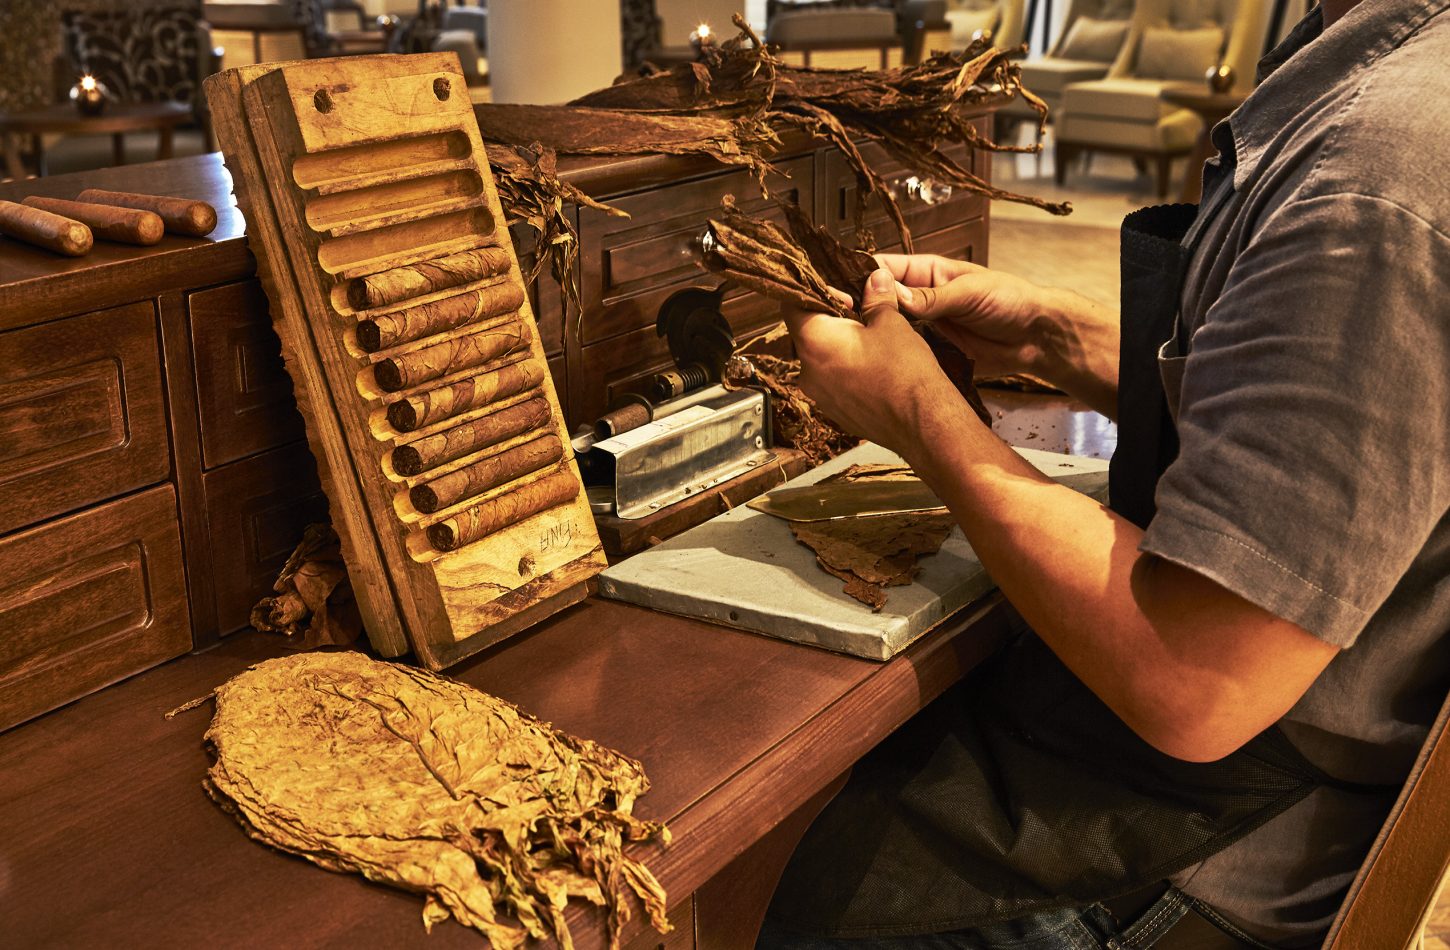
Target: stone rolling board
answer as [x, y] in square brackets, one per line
[744, 569]
[413, 353]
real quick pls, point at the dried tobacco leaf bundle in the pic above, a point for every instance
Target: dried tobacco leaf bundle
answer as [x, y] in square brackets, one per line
[422, 783]
[795, 422]
[313, 604]
[797, 269]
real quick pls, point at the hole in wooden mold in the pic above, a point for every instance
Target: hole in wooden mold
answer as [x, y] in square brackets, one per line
[401, 158]
[441, 89]
[322, 100]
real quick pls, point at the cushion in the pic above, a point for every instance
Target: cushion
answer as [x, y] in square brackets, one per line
[1051, 74]
[1136, 100]
[1175, 132]
[142, 54]
[1094, 40]
[967, 22]
[1166, 53]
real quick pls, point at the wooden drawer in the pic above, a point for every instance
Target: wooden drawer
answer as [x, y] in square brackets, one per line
[838, 194]
[88, 600]
[630, 265]
[243, 393]
[82, 414]
[256, 510]
[622, 365]
[964, 242]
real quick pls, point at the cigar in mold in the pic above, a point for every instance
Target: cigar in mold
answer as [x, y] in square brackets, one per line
[45, 229]
[110, 223]
[433, 362]
[179, 215]
[414, 323]
[421, 409]
[488, 517]
[426, 277]
[487, 473]
[432, 451]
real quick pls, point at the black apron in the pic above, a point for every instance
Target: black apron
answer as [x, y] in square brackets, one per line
[1018, 790]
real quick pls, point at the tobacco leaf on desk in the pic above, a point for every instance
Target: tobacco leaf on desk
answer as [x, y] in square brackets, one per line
[313, 603]
[425, 784]
[872, 554]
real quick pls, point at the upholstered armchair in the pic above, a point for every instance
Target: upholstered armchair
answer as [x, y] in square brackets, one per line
[1169, 42]
[1093, 35]
[1002, 18]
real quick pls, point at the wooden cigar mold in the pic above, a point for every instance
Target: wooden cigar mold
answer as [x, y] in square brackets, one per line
[411, 345]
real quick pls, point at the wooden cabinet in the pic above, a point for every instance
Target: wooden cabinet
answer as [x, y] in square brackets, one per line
[90, 599]
[152, 457]
[82, 414]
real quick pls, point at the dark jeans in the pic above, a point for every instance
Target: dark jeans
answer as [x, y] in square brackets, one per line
[1090, 928]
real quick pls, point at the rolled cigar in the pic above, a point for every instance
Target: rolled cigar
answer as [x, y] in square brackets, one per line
[415, 280]
[44, 229]
[630, 416]
[432, 451]
[474, 349]
[421, 409]
[487, 517]
[179, 215]
[487, 473]
[414, 323]
[126, 225]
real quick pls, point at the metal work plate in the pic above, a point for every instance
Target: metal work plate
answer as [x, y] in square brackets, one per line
[744, 569]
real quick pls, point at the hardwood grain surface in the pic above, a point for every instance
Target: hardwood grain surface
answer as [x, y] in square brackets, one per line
[106, 837]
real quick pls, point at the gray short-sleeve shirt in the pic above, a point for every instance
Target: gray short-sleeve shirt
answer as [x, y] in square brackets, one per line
[1311, 383]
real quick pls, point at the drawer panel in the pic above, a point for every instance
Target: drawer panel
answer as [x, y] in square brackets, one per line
[82, 414]
[256, 510]
[838, 188]
[630, 265]
[88, 600]
[610, 369]
[964, 242]
[243, 393]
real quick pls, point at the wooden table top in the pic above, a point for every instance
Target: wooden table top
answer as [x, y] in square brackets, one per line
[117, 117]
[107, 838]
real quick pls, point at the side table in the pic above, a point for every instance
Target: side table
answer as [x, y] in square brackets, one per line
[1212, 108]
[64, 119]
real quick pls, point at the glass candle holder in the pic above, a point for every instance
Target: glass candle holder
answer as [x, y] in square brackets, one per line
[89, 95]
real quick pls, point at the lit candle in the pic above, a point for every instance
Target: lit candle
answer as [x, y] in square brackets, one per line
[702, 36]
[88, 95]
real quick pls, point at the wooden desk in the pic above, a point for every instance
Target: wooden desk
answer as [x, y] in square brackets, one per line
[107, 839]
[65, 119]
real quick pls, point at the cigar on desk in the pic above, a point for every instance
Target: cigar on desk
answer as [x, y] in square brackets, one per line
[45, 229]
[180, 215]
[126, 225]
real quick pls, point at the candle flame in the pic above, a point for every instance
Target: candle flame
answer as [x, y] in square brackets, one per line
[88, 82]
[703, 31]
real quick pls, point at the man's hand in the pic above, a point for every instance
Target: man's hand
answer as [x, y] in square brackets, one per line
[878, 378]
[1010, 325]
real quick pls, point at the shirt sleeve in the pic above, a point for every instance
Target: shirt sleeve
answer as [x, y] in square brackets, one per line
[1314, 458]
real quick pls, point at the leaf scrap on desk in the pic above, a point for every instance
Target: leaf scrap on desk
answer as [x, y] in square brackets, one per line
[313, 603]
[872, 554]
[425, 784]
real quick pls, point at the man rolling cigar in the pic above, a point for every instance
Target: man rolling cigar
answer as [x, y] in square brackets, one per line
[1234, 665]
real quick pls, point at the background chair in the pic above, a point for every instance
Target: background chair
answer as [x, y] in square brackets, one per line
[1002, 18]
[1168, 42]
[1092, 38]
[839, 38]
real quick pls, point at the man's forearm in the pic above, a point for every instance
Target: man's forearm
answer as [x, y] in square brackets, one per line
[1079, 340]
[1178, 658]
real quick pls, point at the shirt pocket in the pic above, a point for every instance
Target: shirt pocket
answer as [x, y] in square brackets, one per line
[1170, 370]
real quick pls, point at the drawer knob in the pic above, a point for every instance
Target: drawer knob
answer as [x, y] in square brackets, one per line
[921, 190]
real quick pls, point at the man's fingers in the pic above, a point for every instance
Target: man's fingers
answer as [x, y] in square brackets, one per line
[879, 297]
[918, 301]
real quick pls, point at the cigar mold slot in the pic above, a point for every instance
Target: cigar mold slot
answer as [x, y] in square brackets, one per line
[366, 209]
[367, 252]
[384, 431]
[358, 166]
[405, 498]
[485, 302]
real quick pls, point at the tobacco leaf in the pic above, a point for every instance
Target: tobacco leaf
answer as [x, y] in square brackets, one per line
[797, 269]
[425, 784]
[794, 420]
[872, 554]
[313, 604]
